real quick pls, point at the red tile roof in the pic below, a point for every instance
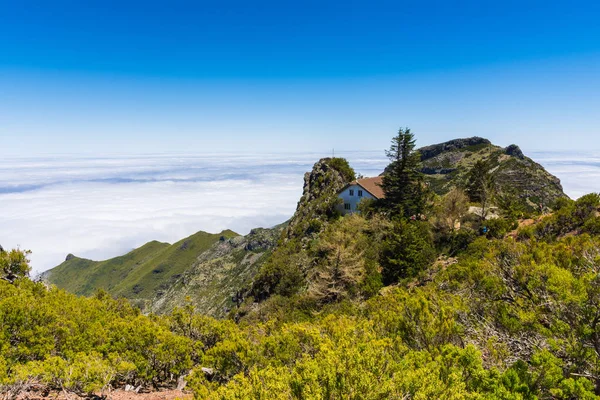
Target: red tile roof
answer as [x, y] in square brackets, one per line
[371, 185]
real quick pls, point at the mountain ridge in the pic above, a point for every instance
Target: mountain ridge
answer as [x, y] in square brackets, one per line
[215, 271]
[447, 165]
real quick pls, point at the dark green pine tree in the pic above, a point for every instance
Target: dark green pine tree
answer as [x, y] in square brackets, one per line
[402, 184]
[481, 186]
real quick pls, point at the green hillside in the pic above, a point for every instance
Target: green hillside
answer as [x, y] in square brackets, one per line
[213, 282]
[82, 276]
[140, 274]
[447, 165]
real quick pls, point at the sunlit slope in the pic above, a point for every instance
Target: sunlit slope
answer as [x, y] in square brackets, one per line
[447, 165]
[141, 273]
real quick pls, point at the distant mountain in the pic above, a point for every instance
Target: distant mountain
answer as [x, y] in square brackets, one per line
[448, 164]
[207, 268]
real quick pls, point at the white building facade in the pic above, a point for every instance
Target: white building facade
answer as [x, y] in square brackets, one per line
[355, 192]
[352, 195]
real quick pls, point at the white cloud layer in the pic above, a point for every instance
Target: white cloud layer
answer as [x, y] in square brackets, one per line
[579, 172]
[105, 206]
[102, 207]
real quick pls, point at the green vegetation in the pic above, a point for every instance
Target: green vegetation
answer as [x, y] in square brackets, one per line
[141, 275]
[405, 193]
[511, 319]
[481, 186]
[408, 248]
[13, 264]
[83, 344]
[378, 305]
[343, 167]
[508, 174]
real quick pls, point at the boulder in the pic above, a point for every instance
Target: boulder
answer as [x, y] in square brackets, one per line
[514, 151]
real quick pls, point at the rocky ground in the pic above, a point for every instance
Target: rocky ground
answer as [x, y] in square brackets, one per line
[113, 395]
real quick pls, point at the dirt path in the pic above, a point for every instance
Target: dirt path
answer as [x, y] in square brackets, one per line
[164, 395]
[114, 395]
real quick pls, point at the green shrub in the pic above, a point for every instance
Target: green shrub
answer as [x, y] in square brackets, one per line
[343, 167]
[497, 228]
[407, 249]
[592, 226]
[455, 242]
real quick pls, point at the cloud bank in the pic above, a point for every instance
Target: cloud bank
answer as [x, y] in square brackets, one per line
[579, 172]
[102, 207]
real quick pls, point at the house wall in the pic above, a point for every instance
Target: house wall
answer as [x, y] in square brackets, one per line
[354, 199]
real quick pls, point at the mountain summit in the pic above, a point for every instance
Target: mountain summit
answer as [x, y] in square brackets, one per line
[447, 165]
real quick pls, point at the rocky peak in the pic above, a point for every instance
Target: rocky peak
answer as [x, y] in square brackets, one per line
[428, 152]
[323, 179]
[447, 165]
[69, 257]
[319, 195]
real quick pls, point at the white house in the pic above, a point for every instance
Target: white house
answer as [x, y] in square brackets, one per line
[354, 192]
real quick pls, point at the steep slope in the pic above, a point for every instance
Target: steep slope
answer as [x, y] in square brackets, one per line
[447, 165]
[158, 273]
[206, 270]
[285, 271]
[212, 284]
[319, 196]
[82, 276]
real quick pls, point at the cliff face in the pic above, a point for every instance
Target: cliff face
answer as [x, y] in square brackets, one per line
[213, 282]
[319, 196]
[448, 164]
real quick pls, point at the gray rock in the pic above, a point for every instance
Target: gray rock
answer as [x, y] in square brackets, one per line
[319, 194]
[456, 144]
[515, 151]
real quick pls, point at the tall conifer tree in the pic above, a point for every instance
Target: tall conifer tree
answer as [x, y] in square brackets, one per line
[403, 180]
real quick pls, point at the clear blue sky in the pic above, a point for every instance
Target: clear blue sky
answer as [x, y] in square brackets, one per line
[118, 76]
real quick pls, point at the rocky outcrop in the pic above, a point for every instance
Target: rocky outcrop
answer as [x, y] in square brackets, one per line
[214, 282]
[514, 151]
[428, 152]
[447, 165]
[319, 197]
[260, 239]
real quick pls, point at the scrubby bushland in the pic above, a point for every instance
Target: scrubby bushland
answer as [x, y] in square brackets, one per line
[511, 318]
[84, 344]
[387, 304]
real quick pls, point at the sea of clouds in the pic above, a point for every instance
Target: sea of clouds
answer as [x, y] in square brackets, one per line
[101, 207]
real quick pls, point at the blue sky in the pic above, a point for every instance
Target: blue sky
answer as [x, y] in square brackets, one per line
[150, 77]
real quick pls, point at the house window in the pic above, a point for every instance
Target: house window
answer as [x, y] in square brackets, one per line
[346, 206]
[360, 193]
[351, 192]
